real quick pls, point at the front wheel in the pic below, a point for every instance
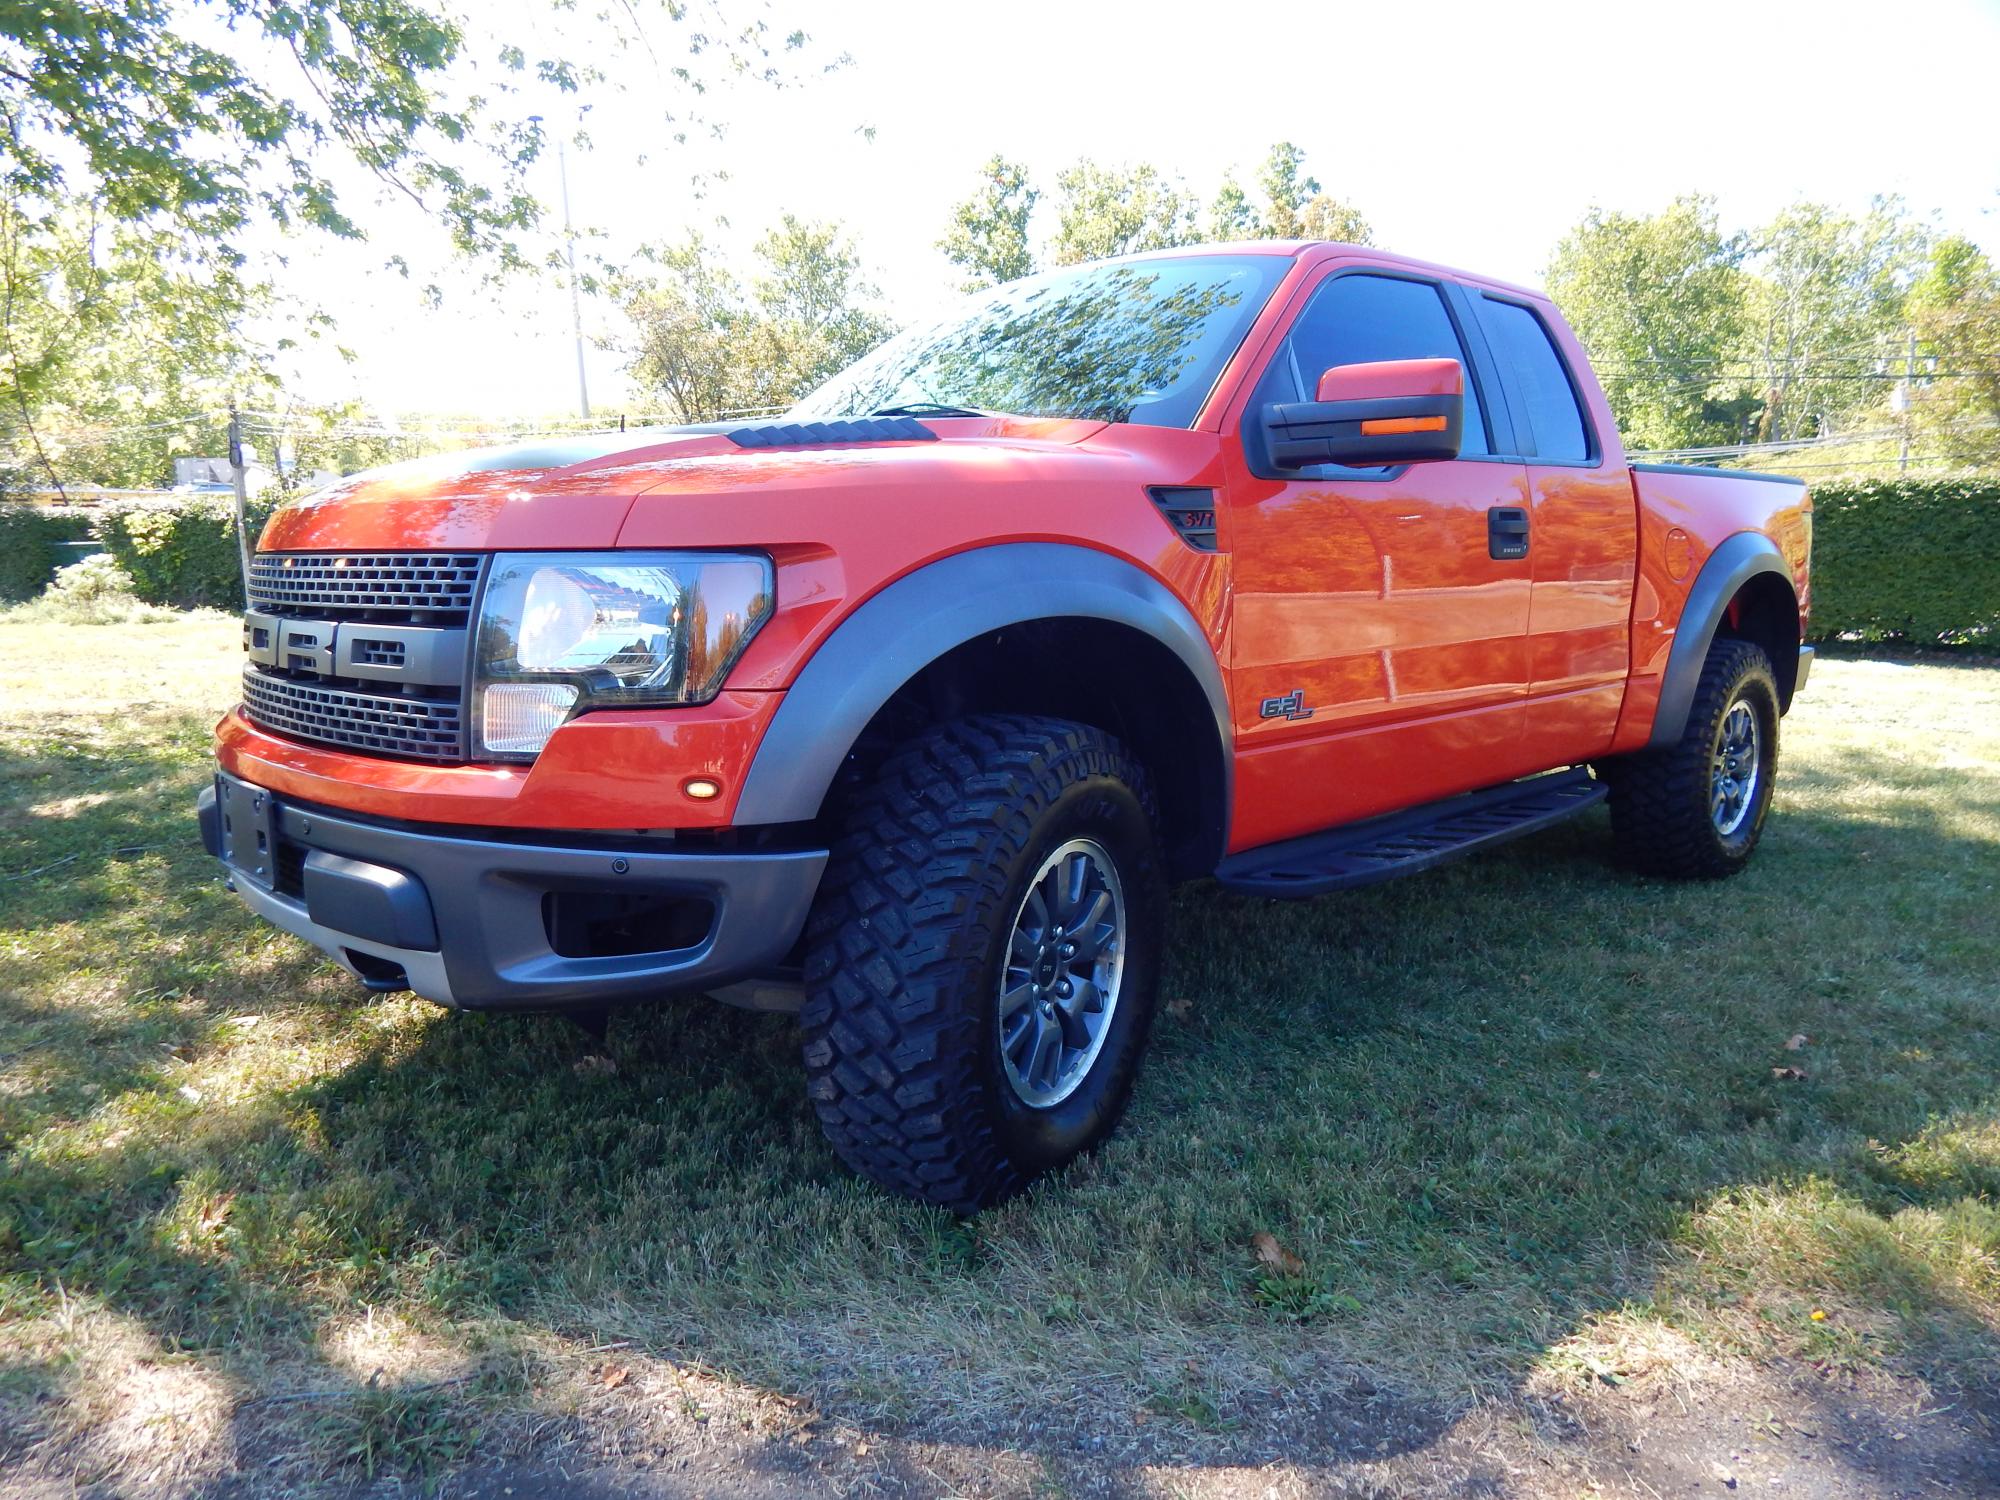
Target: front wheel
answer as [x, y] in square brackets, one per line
[1695, 809]
[983, 958]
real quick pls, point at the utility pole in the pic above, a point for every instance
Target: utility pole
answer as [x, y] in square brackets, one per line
[1903, 397]
[239, 481]
[569, 258]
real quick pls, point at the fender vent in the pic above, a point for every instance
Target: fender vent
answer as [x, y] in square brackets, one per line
[1190, 512]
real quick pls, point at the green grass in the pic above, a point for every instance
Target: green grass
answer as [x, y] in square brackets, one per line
[1518, 1120]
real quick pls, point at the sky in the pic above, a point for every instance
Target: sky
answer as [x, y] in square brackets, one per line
[1473, 134]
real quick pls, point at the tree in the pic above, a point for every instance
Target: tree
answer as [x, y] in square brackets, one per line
[1954, 312]
[707, 347]
[1230, 215]
[1295, 206]
[1659, 301]
[119, 348]
[684, 317]
[1109, 211]
[1825, 309]
[1106, 211]
[1327, 218]
[176, 113]
[1285, 192]
[815, 312]
[989, 230]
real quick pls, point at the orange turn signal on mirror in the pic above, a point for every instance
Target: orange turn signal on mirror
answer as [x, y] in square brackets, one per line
[1385, 426]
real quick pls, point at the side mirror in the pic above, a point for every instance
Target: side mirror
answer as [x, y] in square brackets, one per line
[1394, 411]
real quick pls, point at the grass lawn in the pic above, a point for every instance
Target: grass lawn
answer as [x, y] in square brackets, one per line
[1529, 1124]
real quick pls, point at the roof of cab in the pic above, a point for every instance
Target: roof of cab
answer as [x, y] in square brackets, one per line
[1315, 251]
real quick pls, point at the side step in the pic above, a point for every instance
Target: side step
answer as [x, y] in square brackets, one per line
[1416, 839]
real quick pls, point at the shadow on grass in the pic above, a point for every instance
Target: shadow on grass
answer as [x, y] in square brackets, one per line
[1485, 1107]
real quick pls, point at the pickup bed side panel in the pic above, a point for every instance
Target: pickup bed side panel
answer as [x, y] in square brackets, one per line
[1686, 516]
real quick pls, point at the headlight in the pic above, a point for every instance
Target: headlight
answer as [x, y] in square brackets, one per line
[563, 632]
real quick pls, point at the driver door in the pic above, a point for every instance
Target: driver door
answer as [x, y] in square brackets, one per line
[1379, 653]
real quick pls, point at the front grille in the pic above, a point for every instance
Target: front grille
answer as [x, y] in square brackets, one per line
[410, 728]
[364, 650]
[379, 653]
[431, 588]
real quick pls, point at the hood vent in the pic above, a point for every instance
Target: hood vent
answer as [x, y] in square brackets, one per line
[830, 434]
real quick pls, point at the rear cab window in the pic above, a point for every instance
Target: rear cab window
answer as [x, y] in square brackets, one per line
[1546, 411]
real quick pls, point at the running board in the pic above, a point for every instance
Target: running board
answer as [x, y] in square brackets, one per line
[1416, 839]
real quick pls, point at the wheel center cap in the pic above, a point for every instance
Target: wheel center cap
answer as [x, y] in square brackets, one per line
[1047, 966]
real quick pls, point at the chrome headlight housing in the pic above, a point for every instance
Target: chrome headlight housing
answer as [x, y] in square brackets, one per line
[564, 632]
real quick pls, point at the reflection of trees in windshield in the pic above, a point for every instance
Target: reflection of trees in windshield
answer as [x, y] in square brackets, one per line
[1102, 345]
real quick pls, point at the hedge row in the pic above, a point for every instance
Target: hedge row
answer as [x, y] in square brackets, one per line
[28, 553]
[181, 554]
[1906, 559]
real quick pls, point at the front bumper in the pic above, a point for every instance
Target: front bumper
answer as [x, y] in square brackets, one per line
[496, 924]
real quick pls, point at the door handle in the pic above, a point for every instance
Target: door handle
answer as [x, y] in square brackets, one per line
[1507, 533]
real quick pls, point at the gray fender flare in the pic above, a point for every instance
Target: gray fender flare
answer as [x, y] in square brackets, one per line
[922, 616]
[1738, 560]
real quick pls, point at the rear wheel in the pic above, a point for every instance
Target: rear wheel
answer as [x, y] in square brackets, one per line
[1696, 808]
[983, 958]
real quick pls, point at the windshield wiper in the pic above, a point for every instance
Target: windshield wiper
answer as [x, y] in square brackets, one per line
[930, 409]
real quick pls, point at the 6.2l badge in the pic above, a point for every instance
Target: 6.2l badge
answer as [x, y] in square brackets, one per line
[1291, 706]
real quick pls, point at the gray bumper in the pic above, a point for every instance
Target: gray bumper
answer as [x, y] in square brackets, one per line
[475, 922]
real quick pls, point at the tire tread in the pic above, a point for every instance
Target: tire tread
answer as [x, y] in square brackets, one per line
[1659, 797]
[891, 958]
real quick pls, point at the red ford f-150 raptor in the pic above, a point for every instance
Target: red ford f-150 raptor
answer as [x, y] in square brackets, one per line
[1299, 566]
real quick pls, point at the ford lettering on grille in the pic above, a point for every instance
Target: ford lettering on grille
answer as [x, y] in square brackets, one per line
[365, 650]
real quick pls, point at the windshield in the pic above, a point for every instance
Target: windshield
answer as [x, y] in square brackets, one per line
[1141, 341]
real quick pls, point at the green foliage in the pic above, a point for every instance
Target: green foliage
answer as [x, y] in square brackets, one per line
[1327, 218]
[1230, 214]
[28, 553]
[1826, 298]
[1908, 559]
[169, 124]
[181, 114]
[116, 339]
[989, 230]
[1954, 312]
[1286, 191]
[95, 591]
[1106, 211]
[1658, 300]
[1799, 330]
[706, 347]
[181, 554]
[1295, 207]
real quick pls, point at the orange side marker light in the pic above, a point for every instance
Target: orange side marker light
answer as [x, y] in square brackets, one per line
[1386, 426]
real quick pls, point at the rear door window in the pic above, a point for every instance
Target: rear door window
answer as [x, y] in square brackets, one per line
[1521, 342]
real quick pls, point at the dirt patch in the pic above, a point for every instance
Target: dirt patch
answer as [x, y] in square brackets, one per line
[1777, 1430]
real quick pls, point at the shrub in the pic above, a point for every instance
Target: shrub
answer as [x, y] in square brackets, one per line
[180, 553]
[1911, 559]
[95, 591]
[28, 537]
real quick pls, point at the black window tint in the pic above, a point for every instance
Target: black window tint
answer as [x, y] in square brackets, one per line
[1354, 320]
[1524, 344]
